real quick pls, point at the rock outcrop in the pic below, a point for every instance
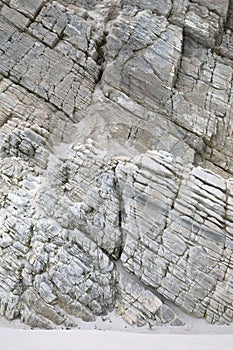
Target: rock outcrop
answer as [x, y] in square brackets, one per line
[116, 166]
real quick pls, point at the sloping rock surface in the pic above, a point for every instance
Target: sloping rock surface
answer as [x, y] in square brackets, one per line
[116, 187]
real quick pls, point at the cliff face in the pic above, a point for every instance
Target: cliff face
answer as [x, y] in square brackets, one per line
[116, 160]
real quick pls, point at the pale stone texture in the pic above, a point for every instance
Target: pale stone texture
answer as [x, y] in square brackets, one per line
[145, 64]
[176, 233]
[116, 161]
[29, 7]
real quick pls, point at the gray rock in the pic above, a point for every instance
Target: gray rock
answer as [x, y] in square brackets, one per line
[177, 323]
[167, 314]
[162, 8]
[116, 150]
[214, 5]
[16, 17]
[150, 48]
[203, 25]
[135, 304]
[29, 8]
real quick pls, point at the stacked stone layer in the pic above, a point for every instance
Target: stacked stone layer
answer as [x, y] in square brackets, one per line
[116, 160]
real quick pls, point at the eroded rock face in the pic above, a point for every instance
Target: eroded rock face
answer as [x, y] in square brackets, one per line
[116, 160]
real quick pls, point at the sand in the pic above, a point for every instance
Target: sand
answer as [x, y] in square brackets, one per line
[12, 339]
[113, 333]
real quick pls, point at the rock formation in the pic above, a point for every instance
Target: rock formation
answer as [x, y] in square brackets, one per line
[116, 166]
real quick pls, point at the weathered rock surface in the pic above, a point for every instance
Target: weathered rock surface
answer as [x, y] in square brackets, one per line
[116, 189]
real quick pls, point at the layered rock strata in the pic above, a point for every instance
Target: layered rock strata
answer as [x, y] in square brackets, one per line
[116, 160]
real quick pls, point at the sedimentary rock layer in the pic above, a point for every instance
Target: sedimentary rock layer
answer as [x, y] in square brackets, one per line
[116, 189]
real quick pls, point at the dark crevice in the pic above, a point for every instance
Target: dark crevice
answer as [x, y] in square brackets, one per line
[113, 13]
[101, 57]
[121, 215]
[229, 21]
[179, 65]
[119, 250]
